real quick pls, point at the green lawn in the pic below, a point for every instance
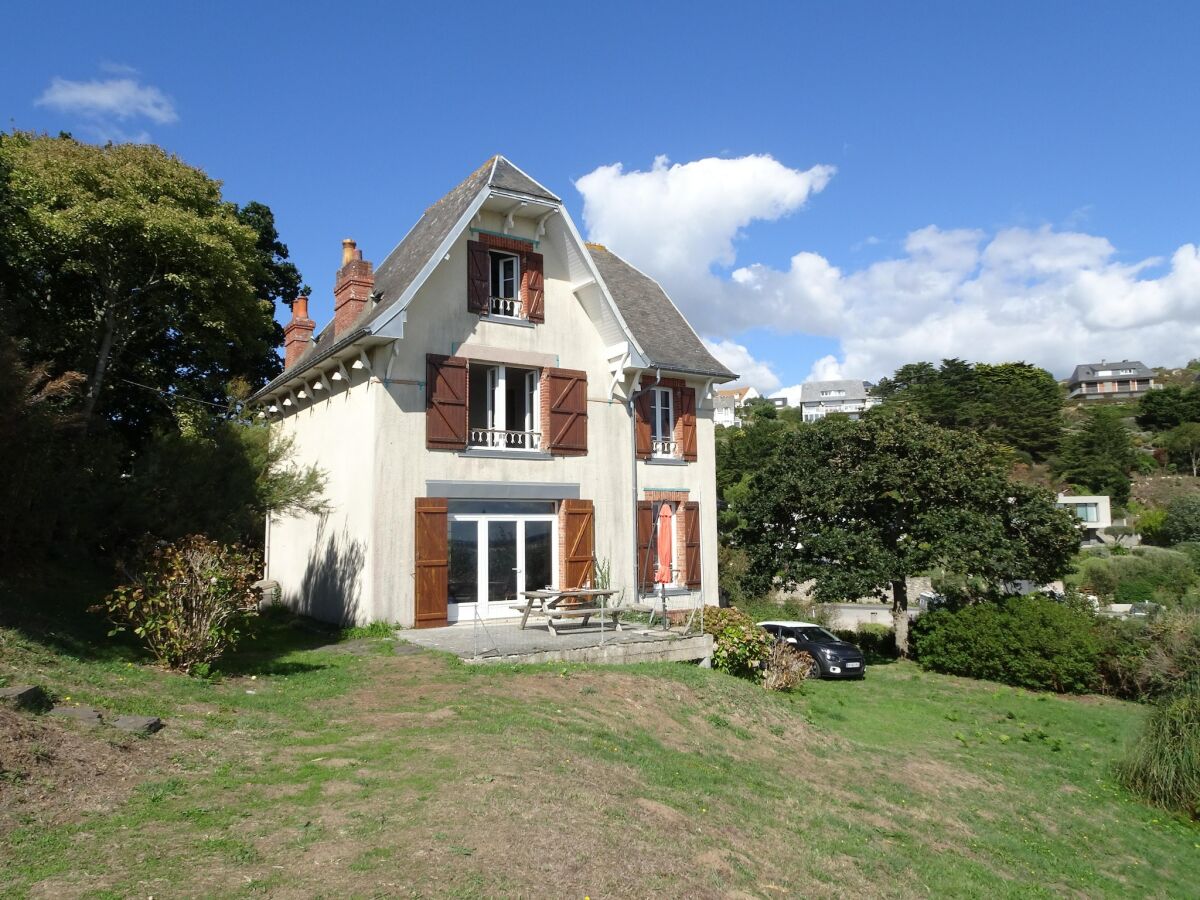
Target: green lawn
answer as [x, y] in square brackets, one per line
[350, 770]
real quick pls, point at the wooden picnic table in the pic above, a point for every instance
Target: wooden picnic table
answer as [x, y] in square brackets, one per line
[549, 601]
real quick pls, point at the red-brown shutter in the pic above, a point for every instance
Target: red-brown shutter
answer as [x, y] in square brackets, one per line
[479, 277]
[579, 531]
[567, 427]
[645, 530]
[433, 563]
[691, 543]
[686, 404]
[641, 423]
[445, 402]
[534, 286]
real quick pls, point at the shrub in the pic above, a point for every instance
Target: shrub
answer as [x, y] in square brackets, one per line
[1030, 642]
[1163, 766]
[786, 667]
[874, 639]
[190, 602]
[739, 646]
[1144, 659]
[1182, 521]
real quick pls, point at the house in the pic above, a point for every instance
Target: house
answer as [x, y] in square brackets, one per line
[1110, 380]
[1094, 514]
[498, 407]
[848, 397]
[726, 404]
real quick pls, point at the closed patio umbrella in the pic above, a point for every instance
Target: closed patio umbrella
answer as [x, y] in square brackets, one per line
[663, 573]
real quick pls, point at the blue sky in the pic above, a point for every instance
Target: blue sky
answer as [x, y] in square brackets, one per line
[1017, 181]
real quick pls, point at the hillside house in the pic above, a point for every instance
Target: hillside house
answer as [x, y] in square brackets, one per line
[847, 397]
[498, 407]
[727, 403]
[1110, 380]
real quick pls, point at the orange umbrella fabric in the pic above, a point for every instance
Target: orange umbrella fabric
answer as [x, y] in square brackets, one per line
[663, 573]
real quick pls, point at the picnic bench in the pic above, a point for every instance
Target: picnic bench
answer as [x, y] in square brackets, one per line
[549, 603]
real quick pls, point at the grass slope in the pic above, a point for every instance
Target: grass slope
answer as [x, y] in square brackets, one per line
[318, 768]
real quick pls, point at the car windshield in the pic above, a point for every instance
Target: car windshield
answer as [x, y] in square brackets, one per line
[816, 635]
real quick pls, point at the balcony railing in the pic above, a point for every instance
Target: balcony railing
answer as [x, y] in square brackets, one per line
[509, 307]
[662, 448]
[495, 439]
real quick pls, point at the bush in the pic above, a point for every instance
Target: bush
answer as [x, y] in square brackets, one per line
[875, 639]
[739, 646]
[1030, 642]
[1163, 766]
[1144, 659]
[1147, 574]
[1182, 521]
[786, 667]
[190, 603]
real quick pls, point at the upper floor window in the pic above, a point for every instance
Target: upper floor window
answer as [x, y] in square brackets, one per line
[505, 294]
[504, 408]
[662, 422]
[833, 393]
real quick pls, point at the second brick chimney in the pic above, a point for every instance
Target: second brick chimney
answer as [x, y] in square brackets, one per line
[297, 333]
[352, 288]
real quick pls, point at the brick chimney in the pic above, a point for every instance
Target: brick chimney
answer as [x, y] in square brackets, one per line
[351, 289]
[298, 332]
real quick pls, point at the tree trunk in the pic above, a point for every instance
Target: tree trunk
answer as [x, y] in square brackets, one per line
[102, 358]
[900, 615]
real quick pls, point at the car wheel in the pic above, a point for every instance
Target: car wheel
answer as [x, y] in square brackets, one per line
[814, 670]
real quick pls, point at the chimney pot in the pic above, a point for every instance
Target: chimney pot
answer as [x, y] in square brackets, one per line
[300, 308]
[348, 246]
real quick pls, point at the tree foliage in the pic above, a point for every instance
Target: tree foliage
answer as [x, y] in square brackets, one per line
[1168, 408]
[1013, 404]
[127, 265]
[1099, 455]
[861, 506]
[1183, 443]
[1182, 521]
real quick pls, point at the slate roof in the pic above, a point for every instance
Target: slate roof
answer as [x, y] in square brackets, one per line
[1087, 371]
[657, 324]
[810, 391]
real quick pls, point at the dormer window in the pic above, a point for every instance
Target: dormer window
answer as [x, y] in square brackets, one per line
[662, 422]
[505, 294]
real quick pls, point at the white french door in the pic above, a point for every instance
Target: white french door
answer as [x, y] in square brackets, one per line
[495, 558]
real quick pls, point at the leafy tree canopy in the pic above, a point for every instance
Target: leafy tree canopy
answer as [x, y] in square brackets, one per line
[861, 506]
[126, 265]
[1099, 455]
[1013, 404]
[1169, 407]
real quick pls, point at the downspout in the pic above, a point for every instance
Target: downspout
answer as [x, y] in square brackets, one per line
[633, 395]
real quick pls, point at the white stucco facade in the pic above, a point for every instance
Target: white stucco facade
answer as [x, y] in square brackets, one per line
[367, 432]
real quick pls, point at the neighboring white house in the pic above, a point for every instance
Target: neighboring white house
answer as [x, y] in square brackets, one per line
[497, 407]
[848, 397]
[1094, 513]
[727, 403]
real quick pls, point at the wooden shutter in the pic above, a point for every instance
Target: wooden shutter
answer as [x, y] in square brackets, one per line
[641, 424]
[685, 402]
[479, 277]
[445, 402]
[534, 285]
[432, 563]
[645, 529]
[691, 543]
[579, 531]
[568, 411]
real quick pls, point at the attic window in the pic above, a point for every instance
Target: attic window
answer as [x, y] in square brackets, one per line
[505, 284]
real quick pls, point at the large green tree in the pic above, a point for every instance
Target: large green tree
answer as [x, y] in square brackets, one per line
[1099, 455]
[1013, 404]
[859, 507]
[1169, 408]
[1183, 443]
[127, 265]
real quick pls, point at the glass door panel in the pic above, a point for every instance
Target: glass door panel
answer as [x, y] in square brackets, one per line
[502, 562]
[463, 582]
[539, 555]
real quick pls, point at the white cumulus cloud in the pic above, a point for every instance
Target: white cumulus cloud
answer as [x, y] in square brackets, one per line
[1048, 296]
[738, 359]
[106, 106]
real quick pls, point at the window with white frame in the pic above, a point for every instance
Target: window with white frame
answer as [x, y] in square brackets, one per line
[506, 285]
[503, 408]
[662, 421]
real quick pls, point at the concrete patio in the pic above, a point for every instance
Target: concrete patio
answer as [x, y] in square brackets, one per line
[504, 641]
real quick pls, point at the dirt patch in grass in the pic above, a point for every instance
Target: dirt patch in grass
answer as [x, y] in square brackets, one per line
[55, 771]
